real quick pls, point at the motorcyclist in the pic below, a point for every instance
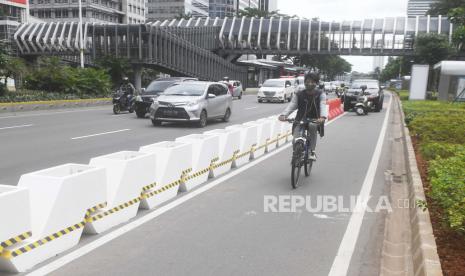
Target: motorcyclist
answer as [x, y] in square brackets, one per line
[310, 102]
[128, 90]
[342, 92]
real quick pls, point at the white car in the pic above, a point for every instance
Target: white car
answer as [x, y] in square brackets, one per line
[276, 90]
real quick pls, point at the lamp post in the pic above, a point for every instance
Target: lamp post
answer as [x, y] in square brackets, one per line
[81, 44]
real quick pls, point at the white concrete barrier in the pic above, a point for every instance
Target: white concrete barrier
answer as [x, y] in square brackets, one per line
[276, 126]
[15, 212]
[284, 129]
[248, 141]
[173, 161]
[274, 130]
[59, 198]
[127, 173]
[271, 134]
[264, 133]
[204, 149]
[229, 146]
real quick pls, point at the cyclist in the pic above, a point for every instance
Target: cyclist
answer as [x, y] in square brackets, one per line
[310, 103]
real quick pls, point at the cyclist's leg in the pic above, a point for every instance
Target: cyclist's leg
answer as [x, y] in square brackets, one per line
[312, 135]
[295, 132]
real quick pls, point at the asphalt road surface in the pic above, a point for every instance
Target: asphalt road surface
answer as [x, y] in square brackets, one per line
[38, 140]
[221, 228]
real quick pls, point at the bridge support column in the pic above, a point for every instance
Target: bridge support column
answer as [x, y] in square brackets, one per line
[138, 77]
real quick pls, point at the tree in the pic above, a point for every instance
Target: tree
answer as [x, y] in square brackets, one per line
[16, 69]
[457, 16]
[328, 65]
[184, 16]
[442, 7]
[432, 48]
[254, 12]
[397, 66]
[117, 68]
[2, 68]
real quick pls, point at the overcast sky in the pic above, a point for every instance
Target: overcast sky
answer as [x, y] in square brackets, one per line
[348, 10]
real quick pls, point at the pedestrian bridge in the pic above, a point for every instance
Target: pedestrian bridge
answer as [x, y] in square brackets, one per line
[207, 47]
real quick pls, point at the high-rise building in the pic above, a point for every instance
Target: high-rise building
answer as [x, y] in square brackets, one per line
[117, 11]
[12, 12]
[163, 9]
[254, 4]
[268, 5]
[222, 8]
[378, 62]
[419, 7]
[14, 9]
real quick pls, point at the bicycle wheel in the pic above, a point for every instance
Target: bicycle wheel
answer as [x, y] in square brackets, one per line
[308, 163]
[296, 164]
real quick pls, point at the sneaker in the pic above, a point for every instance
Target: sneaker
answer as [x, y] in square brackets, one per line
[312, 156]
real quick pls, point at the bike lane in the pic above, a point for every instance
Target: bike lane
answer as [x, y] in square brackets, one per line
[226, 231]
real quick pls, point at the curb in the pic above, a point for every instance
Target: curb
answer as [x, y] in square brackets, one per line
[423, 244]
[47, 105]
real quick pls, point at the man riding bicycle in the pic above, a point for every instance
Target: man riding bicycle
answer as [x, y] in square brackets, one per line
[310, 103]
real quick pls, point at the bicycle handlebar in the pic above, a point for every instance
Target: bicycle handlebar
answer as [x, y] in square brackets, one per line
[292, 120]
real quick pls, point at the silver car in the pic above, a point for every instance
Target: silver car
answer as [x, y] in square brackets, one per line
[195, 101]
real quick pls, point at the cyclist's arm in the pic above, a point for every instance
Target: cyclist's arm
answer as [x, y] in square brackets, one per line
[323, 110]
[291, 107]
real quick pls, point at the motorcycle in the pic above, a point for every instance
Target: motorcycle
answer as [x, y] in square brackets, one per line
[363, 105]
[122, 102]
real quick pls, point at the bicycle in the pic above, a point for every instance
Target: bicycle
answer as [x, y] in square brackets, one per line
[300, 152]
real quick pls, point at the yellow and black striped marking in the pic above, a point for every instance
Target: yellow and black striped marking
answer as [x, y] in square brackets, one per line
[15, 240]
[113, 210]
[198, 174]
[7, 254]
[95, 209]
[225, 162]
[149, 187]
[162, 189]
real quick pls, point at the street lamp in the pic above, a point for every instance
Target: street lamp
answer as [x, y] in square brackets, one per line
[81, 44]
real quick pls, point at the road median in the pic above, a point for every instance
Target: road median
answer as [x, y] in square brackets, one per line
[55, 104]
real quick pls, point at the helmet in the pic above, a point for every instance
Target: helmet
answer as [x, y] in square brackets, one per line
[343, 85]
[312, 75]
[226, 78]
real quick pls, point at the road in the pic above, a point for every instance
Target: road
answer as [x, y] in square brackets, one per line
[38, 140]
[221, 228]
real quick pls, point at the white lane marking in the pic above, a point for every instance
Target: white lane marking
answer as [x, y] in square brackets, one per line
[79, 252]
[10, 127]
[98, 134]
[250, 108]
[53, 113]
[346, 249]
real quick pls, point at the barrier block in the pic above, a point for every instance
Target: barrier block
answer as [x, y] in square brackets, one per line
[335, 108]
[173, 163]
[128, 172]
[248, 141]
[204, 149]
[16, 217]
[264, 133]
[229, 147]
[284, 129]
[272, 139]
[59, 200]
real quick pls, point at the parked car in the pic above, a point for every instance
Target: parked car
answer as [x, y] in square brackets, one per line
[197, 102]
[327, 87]
[155, 88]
[237, 89]
[274, 90]
[376, 94]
